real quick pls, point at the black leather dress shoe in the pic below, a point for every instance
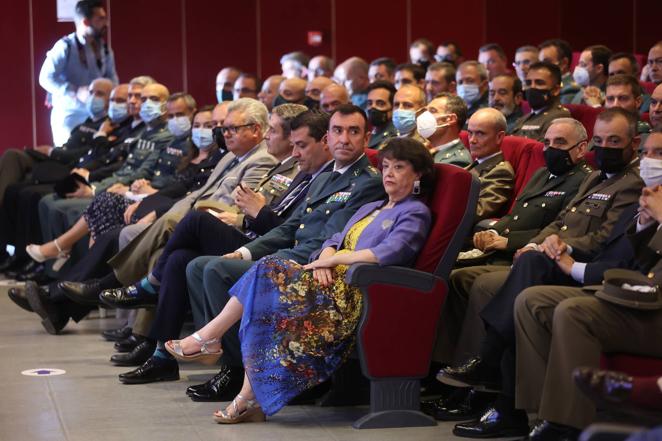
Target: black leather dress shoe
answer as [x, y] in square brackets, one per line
[463, 408]
[27, 267]
[474, 373]
[51, 318]
[153, 370]
[84, 293]
[127, 298]
[38, 276]
[129, 343]
[223, 386]
[494, 424]
[117, 334]
[548, 431]
[138, 356]
[17, 295]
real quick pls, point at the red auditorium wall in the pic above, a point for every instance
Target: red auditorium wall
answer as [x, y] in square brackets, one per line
[183, 43]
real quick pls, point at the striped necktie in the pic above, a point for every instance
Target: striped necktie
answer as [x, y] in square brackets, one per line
[292, 195]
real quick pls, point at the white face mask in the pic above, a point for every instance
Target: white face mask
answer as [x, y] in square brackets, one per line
[426, 124]
[650, 171]
[581, 76]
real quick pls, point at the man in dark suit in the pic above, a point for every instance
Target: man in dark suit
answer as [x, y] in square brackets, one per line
[581, 231]
[332, 199]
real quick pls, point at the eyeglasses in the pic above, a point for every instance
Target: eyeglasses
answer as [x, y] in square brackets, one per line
[234, 129]
[522, 63]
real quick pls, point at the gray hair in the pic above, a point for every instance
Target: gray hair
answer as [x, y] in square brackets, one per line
[299, 57]
[254, 111]
[482, 72]
[527, 48]
[142, 80]
[188, 99]
[287, 112]
[578, 128]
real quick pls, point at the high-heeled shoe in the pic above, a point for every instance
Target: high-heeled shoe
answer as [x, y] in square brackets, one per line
[252, 414]
[204, 355]
[34, 251]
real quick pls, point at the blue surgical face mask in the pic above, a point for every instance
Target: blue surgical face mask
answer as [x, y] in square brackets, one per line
[359, 99]
[150, 110]
[96, 107]
[117, 111]
[179, 125]
[470, 93]
[404, 120]
[202, 138]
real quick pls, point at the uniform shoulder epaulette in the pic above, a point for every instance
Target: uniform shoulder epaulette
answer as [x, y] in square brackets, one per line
[372, 170]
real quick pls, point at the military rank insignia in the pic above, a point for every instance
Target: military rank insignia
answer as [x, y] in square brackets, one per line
[554, 194]
[599, 197]
[341, 196]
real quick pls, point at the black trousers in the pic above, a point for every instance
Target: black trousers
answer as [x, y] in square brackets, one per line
[197, 234]
[92, 266]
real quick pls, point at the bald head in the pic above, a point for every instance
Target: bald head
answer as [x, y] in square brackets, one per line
[293, 90]
[120, 92]
[269, 90]
[155, 92]
[320, 65]
[103, 85]
[315, 86]
[409, 97]
[333, 96]
[219, 113]
[225, 81]
[486, 128]
[353, 74]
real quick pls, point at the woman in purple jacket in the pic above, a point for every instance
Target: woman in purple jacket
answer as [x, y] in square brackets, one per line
[298, 322]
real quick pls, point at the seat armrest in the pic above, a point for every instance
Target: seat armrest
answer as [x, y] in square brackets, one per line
[364, 274]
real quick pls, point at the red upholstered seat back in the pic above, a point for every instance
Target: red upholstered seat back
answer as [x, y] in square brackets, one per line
[373, 157]
[585, 115]
[526, 108]
[646, 117]
[648, 86]
[447, 204]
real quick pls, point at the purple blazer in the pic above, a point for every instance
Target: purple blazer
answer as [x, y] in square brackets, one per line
[395, 236]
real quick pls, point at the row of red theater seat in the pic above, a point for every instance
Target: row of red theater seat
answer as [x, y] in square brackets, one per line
[395, 358]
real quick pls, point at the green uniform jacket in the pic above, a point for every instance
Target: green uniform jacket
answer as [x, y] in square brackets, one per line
[538, 204]
[378, 138]
[454, 153]
[325, 211]
[587, 221]
[534, 125]
[497, 179]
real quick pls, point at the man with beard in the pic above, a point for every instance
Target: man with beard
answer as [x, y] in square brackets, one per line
[505, 95]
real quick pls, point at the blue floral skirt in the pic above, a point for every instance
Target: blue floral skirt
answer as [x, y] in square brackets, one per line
[105, 213]
[294, 333]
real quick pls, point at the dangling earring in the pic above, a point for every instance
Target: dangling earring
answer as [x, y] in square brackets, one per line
[417, 187]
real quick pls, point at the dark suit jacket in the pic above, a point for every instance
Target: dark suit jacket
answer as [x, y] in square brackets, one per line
[267, 219]
[325, 211]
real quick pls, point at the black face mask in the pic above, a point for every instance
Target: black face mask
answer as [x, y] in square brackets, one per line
[559, 161]
[610, 160]
[227, 95]
[377, 117]
[424, 64]
[538, 98]
[219, 139]
[279, 100]
[311, 103]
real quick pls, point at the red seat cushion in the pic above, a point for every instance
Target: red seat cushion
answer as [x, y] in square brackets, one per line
[373, 157]
[648, 86]
[646, 117]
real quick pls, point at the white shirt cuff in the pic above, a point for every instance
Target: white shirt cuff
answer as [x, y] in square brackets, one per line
[245, 253]
[641, 227]
[577, 271]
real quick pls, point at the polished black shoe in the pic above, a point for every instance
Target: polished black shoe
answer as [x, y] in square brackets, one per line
[494, 424]
[27, 267]
[51, 318]
[474, 373]
[117, 334]
[153, 370]
[17, 295]
[223, 386]
[38, 276]
[465, 406]
[138, 356]
[84, 293]
[129, 343]
[548, 431]
[127, 298]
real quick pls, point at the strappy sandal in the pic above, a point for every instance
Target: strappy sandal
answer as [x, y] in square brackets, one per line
[253, 413]
[35, 253]
[204, 355]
